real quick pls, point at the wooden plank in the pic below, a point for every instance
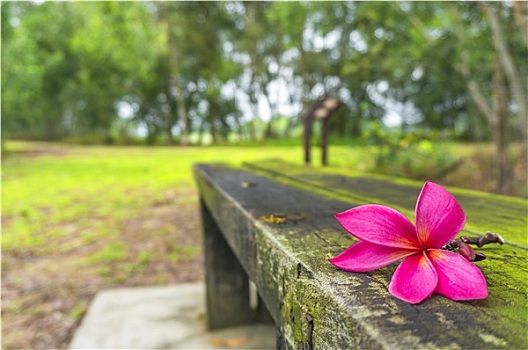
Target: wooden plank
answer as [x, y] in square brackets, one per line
[485, 212]
[283, 235]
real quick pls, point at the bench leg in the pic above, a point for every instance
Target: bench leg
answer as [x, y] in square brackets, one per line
[227, 285]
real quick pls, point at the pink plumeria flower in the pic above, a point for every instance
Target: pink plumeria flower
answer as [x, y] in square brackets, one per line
[385, 236]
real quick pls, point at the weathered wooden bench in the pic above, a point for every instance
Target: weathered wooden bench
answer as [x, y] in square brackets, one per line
[273, 223]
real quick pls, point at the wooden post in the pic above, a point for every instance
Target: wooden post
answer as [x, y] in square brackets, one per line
[324, 142]
[307, 135]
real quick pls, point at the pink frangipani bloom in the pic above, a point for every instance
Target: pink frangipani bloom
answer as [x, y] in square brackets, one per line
[385, 236]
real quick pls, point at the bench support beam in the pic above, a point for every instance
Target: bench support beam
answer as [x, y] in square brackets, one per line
[227, 283]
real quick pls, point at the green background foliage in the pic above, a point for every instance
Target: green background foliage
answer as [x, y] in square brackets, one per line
[209, 68]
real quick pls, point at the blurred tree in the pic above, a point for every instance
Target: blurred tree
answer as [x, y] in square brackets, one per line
[187, 67]
[103, 63]
[172, 22]
[362, 62]
[492, 74]
[38, 68]
[66, 65]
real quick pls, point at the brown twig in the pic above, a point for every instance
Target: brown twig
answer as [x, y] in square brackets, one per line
[488, 238]
[461, 245]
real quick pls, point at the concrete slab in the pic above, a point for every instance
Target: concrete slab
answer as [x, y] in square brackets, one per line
[170, 317]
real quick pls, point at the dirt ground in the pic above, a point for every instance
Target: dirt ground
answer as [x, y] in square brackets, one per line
[45, 296]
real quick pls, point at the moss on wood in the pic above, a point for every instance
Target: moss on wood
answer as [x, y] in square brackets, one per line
[485, 212]
[288, 261]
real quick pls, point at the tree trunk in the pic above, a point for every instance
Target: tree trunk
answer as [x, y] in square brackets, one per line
[213, 111]
[253, 100]
[175, 82]
[270, 133]
[497, 115]
[512, 75]
[500, 126]
[520, 12]
[180, 100]
[170, 136]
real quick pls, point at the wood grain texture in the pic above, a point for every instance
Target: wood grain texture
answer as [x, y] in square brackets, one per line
[279, 221]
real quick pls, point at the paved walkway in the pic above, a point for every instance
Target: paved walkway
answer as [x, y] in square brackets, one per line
[169, 317]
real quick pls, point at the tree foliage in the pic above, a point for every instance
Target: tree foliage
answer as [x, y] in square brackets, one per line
[230, 68]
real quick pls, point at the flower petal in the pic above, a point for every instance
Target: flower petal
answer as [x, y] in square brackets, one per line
[439, 217]
[458, 279]
[380, 225]
[365, 256]
[414, 280]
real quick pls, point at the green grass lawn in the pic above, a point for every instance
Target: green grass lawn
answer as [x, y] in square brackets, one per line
[44, 189]
[51, 190]
[78, 219]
